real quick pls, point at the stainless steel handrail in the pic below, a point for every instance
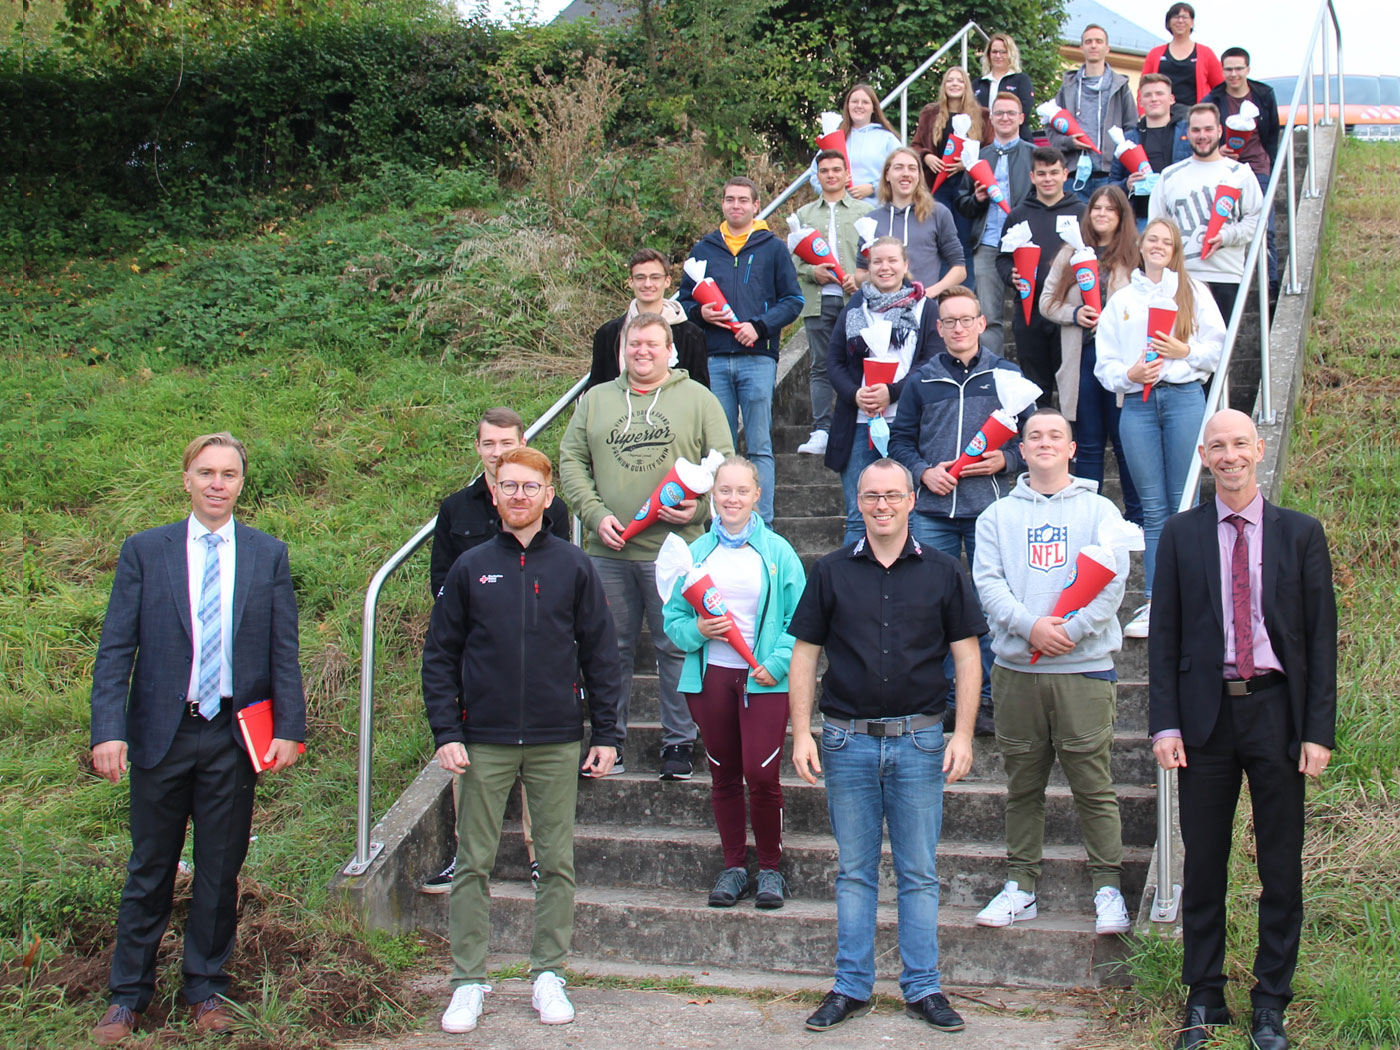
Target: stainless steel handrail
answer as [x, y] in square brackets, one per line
[901, 92]
[365, 850]
[1255, 275]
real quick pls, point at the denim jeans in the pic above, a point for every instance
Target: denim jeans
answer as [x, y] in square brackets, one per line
[948, 196]
[744, 385]
[951, 536]
[1096, 425]
[1159, 439]
[818, 337]
[871, 781]
[862, 455]
[991, 295]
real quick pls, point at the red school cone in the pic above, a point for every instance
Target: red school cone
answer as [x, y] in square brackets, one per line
[1159, 319]
[1086, 275]
[704, 598]
[832, 137]
[1026, 259]
[1088, 577]
[999, 428]
[1062, 120]
[707, 292]
[811, 247]
[982, 172]
[1226, 197]
[685, 480]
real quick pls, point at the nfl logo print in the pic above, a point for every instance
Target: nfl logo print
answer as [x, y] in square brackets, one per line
[1047, 546]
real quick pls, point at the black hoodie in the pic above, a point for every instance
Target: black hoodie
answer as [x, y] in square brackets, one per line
[1042, 219]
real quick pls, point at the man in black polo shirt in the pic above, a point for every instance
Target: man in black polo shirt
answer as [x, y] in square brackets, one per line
[888, 610]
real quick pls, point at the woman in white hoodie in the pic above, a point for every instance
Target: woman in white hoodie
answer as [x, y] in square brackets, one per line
[1159, 431]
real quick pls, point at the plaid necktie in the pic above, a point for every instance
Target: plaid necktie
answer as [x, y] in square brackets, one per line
[211, 643]
[1239, 600]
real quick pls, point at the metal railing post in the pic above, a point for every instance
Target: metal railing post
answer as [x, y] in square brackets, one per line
[1292, 288]
[1326, 85]
[1266, 405]
[1312, 121]
[1167, 898]
[963, 63]
[904, 115]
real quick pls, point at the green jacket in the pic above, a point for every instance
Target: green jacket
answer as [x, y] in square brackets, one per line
[781, 588]
[619, 446]
[815, 214]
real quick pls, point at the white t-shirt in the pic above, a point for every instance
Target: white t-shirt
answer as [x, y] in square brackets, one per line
[738, 574]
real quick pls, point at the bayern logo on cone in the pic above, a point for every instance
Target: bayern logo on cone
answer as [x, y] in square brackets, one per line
[1221, 209]
[685, 480]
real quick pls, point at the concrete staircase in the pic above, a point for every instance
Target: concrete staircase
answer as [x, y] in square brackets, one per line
[647, 851]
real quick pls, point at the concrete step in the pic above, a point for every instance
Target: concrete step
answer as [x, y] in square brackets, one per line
[1053, 951]
[812, 535]
[688, 859]
[1132, 759]
[809, 501]
[794, 469]
[1132, 701]
[972, 810]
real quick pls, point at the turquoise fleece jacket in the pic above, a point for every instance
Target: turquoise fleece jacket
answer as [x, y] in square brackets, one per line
[782, 587]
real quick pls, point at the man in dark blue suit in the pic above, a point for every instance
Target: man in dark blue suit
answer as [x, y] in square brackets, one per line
[1243, 680]
[202, 621]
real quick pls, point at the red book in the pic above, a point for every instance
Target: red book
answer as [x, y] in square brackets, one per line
[255, 723]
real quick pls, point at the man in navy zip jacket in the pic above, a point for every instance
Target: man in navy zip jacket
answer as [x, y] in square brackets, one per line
[754, 270]
[941, 409]
[518, 616]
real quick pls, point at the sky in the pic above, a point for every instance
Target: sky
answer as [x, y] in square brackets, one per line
[1272, 31]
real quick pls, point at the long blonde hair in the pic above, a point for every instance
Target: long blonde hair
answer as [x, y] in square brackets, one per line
[968, 105]
[923, 200]
[1013, 54]
[1185, 294]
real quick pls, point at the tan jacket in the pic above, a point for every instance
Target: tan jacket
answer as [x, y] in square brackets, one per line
[1071, 334]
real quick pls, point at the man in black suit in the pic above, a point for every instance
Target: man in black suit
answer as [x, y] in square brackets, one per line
[202, 621]
[1249, 688]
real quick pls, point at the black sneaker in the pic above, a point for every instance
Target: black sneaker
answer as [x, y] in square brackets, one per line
[834, 1009]
[442, 881]
[731, 884]
[676, 762]
[772, 888]
[935, 1010]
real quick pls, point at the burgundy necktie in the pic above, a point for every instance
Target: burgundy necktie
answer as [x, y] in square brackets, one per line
[1239, 599]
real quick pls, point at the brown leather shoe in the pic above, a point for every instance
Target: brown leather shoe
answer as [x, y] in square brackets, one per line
[116, 1024]
[212, 1015]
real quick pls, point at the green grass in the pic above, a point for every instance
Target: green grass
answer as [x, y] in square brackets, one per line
[357, 425]
[1344, 468]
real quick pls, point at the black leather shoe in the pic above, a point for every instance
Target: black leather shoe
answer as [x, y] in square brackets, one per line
[935, 1010]
[1196, 1026]
[1266, 1029]
[836, 1008]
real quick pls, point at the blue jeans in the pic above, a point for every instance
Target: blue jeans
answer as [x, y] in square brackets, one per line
[951, 536]
[862, 455]
[1159, 439]
[948, 195]
[871, 781]
[744, 385]
[1096, 424]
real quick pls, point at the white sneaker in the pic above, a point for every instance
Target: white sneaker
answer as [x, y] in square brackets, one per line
[1137, 626]
[1012, 904]
[550, 1001]
[1111, 911]
[467, 1004]
[815, 445]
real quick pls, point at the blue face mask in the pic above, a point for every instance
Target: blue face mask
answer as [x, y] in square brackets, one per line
[1082, 170]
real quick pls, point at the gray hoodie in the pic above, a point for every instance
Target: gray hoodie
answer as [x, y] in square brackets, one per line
[1027, 545]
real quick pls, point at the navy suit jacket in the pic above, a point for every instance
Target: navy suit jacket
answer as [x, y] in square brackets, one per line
[142, 672]
[1186, 637]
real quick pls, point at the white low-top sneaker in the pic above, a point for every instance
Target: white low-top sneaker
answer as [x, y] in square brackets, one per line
[1137, 626]
[1012, 904]
[465, 1009]
[550, 1001]
[1110, 911]
[815, 445]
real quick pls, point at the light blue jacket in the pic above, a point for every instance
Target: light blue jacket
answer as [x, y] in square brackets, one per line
[781, 588]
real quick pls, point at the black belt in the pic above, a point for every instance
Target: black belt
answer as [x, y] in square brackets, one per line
[885, 726]
[1246, 686]
[192, 707]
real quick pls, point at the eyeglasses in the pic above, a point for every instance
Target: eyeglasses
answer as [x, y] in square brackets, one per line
[872, 499]
[957, 322]
[510, 488]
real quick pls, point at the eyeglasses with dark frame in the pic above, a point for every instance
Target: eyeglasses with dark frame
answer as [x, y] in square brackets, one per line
[510, 488]
[872, 499]
[958, 322]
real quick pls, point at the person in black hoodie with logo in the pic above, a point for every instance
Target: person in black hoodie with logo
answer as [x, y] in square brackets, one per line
[517, 619]
[1038, 343]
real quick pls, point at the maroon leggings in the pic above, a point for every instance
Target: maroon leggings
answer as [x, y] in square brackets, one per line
[743, 743]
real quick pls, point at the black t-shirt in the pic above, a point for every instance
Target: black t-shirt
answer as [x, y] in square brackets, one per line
[1158, 142]
[886, 630]
[1183, 74]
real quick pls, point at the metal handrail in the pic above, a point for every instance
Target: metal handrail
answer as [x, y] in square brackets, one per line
[901, 92]
[365, 850]
[1255, 275]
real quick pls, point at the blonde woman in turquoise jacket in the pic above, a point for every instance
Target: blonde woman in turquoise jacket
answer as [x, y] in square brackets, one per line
[741, 712]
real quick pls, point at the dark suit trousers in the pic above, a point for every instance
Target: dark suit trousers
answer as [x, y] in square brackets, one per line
[207, 777]
[1250, 737]
[1037, 350]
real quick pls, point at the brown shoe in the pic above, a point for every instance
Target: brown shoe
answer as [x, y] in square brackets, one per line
[116, 1024]
[212, 1015]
